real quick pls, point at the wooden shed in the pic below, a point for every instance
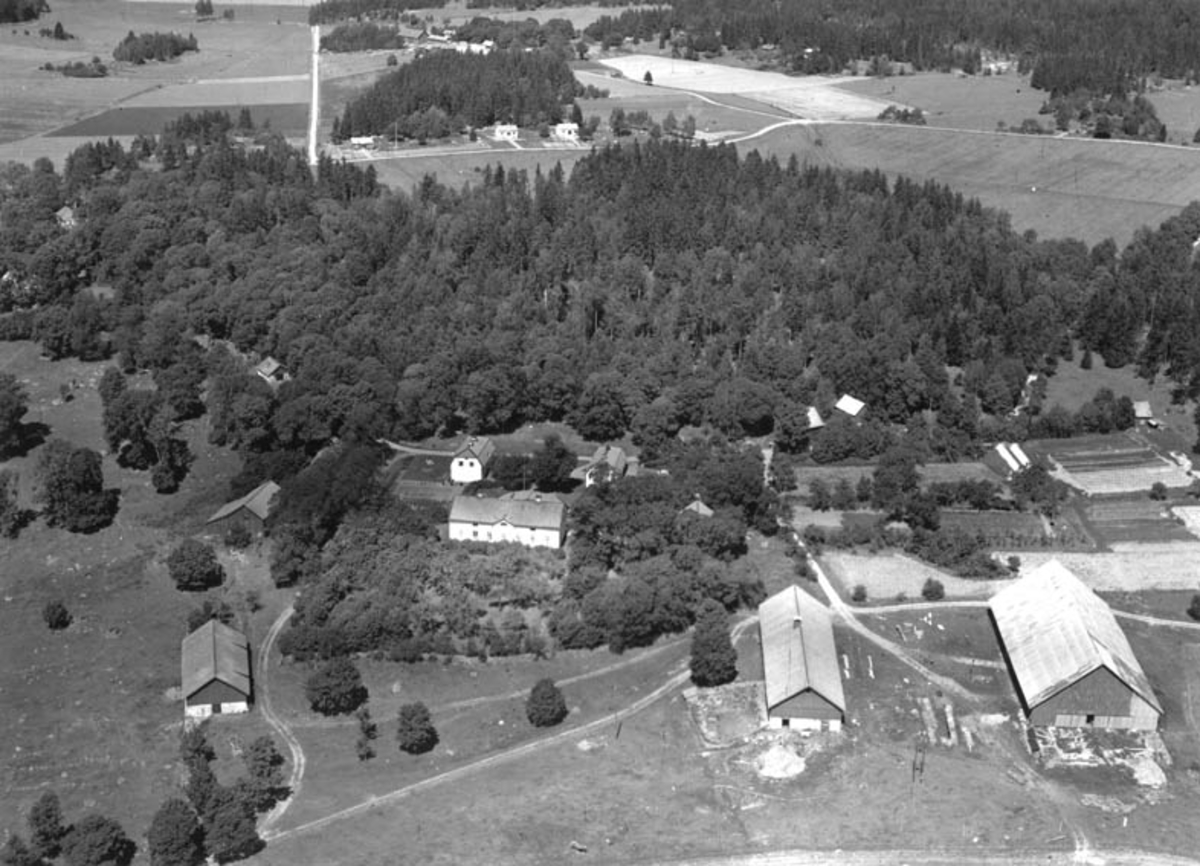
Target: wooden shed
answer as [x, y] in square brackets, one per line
[1072, 665]
[803, 684]
[250, 511]
[215, 664]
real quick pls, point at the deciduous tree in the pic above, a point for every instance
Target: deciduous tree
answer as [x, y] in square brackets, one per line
[714, 660]
[335, 688]
[175, 837]
[96, 840]
[415, 732]
[545, 706]
[193, 566]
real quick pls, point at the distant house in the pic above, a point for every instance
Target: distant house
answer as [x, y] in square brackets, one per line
[607, 463]
[505, 132]
[250, 511]
[271, 371]
[697, 506]
[849, 405]
[566, 131]
[66, 217]
[815, 421]
[1072, 665]
[471, 460]
[803, 684]
[215, 662]
[531, 519]
[362, 140]
[1143, 413]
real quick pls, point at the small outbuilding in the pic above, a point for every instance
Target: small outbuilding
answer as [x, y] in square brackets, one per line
[250, 511]
[271, 371]
[1072, 665]
[471, 460]
[697, 507]
[607, 463]
[803, 684]
[215, 663]
[505, 132]
[850, 405]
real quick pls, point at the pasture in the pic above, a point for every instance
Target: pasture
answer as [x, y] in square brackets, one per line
[92, 711]
[969, 103]
[1059, 188]
[260, 42]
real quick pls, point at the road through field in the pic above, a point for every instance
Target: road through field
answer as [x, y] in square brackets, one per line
[521, 751]
[264, 702]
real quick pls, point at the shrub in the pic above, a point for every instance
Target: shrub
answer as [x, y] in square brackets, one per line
[1014, 564]
[336, 688]
[545, 706]
[1158, 491]
[56, 615]
[193, 565]
[859, 593]
[1194, 608]
[933, 590]
[415, 732]
[238, 537]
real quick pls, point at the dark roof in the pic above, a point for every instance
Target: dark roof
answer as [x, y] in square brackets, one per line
[257, 502]
[1056, 631]
[215, 652]
[798, 648]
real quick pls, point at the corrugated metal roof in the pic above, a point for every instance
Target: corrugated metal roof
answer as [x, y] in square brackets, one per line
[215, 652]
[798, 648]
[1056, 631]
[257, 501]
[546, 514]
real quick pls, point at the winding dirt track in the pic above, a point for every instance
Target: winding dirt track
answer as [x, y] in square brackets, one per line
[264, 703]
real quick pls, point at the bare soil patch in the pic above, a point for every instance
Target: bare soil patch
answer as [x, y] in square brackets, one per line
[1128, 567]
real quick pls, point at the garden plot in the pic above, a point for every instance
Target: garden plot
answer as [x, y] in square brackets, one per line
[1140, 520]
[813, 97]
[1128, 567]
[1190, 515]
[1100, 465]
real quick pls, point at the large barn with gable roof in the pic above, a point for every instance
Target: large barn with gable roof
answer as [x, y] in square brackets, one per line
[1072, 665]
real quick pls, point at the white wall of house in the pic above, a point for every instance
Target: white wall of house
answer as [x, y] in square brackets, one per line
[203, 711]
[465, 470]
[799, 724]
[505, 532]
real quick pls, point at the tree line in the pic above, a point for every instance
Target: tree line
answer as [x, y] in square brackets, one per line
[19, 11]
[362, 36]
[137, 48]
[331, 11]
[467, 90]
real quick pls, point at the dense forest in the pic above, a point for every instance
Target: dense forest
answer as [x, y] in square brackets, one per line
[445, 91]
[1104, 45]
[362, 36]
[332, 11]
[17, 11]
[140, 47]
[661, 285]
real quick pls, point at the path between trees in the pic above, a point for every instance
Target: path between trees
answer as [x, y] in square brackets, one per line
[264, 702]
[521, 751]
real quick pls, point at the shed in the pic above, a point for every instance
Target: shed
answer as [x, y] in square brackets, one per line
[215, 662]
[1072, 665]
[803, 684]
[250, 511]
[534, 520]
[271, 371]
[471, 460]
[607, 463]
[852, 406]
[697, 506]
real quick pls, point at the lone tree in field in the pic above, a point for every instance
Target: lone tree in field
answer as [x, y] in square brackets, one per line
[175, 837]
[56, 615]
[714, 660]
[933, 590]
[46, 828]
[72, 488]
[414, 730]
[97, 841]
[336, 688]
[193, 566]
[545, 706]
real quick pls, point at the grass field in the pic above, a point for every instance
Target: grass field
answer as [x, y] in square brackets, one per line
[1086, 189]
[290, 120]
[974, 102]
[86, 711]
[891, 576]
[33, 101]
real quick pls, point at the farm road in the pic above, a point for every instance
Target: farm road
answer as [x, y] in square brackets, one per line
[948, 857]
[264, 701]
[501, 758]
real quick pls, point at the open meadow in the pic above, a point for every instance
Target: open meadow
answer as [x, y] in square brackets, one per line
[260, 43]
[974, 102]
[92, 712]
[1058, 187]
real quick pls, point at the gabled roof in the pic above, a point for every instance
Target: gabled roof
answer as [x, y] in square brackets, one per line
[815, 420]
[531, 513]
[267, 367]
[215, 652]
[1057, 631]
[612, 457]
[697, 506]
[850, 405]
[798, 648]
[257, 502]
[481, 448]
